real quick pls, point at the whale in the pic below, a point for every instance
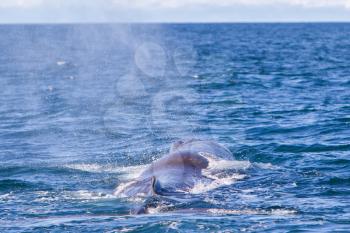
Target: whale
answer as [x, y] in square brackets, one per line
[175, 173]
[207, 147]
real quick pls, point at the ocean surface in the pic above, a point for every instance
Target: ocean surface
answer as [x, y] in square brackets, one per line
[84, 107]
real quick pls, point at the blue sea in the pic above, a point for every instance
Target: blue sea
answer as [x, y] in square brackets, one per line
[84, 107]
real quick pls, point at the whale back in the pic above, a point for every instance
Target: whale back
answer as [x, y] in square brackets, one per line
[174, 174]
[204, 147]
[178, 171]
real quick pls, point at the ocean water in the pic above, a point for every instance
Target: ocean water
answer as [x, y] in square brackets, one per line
[84, 107]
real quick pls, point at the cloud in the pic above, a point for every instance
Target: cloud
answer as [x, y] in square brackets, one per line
[169, 3]
[66, 11]
[226, 3]
[321, 3]
[20, 3]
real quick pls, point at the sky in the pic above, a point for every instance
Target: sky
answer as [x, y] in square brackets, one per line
[87, 11]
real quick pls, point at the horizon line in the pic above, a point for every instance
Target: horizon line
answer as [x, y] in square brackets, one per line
[178, 22]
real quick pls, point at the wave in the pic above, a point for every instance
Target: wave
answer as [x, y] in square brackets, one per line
[14, 184]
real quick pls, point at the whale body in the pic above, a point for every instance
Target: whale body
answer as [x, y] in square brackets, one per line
[177, 171]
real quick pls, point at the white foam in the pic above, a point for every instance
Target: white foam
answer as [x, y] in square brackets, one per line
[268, 166]
[173, 225]
[130, 172]
[61, 63]
[219, 171]
[46, 196]
[248, 197]
[46, 199]
[155, 210]
[212, 200]
[90, 167]
[221, 164]
[202, 187]
[87, 195]
[278, 212]
[84, 195]
[6, 197]
[125, 229]
[282, 212]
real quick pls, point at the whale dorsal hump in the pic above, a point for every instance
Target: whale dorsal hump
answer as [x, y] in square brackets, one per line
[183, 158]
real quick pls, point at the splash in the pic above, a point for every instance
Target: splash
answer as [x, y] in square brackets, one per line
[217, 182]
[126, 172]
[222, 173]
[221, 164]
